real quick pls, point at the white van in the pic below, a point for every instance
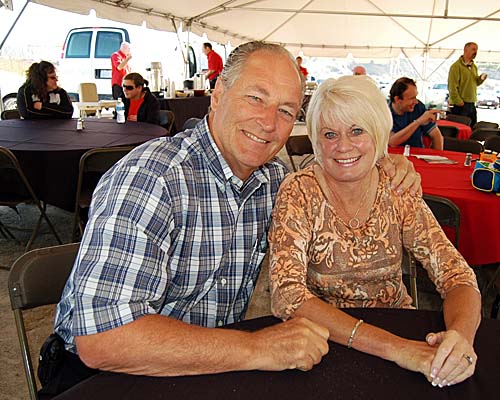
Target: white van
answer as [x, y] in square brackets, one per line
[86, 57]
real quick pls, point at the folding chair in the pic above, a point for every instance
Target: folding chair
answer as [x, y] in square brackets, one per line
[461, 119]
[88, 93]
[93, 164]
[449, 131]
[462, 145]
[485, 125]
[10, 165]
[37, 278]
[190, 123]
[167, 119]
[10, 114]
[493, 143]
[299, 145]
[447, 214]
[483, 134]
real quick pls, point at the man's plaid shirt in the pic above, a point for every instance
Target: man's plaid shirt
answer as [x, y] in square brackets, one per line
[171, 231]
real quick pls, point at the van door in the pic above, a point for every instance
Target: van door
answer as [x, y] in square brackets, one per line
[86, 58]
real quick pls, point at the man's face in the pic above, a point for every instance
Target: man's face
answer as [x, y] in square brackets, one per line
[251, 121]
[130, 90]
[206, 50]
[409, 100]
[470, 52]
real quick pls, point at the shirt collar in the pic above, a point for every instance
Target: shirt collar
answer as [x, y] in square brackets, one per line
[219, 166]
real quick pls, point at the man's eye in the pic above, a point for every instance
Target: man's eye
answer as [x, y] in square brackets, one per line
[286, 113]
[254, 98]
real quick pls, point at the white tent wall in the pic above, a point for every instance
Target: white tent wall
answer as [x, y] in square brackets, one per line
[331, 28]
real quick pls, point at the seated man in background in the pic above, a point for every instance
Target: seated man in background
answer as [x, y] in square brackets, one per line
[140, 104]
[410, 118]
[40, 97]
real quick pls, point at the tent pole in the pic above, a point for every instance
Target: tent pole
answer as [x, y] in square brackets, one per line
[13, 25]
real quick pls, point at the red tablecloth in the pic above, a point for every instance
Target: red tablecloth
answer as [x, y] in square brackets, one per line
[464, 131]
[480, 212]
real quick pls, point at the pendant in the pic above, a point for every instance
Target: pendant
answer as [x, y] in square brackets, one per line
[354, 223]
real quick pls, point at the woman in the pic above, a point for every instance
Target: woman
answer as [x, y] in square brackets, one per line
[338, 232]
[140, 104]
[40, 97]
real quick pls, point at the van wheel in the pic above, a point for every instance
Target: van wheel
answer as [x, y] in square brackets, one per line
[10, 101]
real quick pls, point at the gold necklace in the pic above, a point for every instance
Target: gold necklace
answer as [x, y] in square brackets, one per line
[354, 222]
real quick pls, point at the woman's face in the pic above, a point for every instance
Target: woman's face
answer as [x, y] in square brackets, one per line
[346, 153]
[51, 81]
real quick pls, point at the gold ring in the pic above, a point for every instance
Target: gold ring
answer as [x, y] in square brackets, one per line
[468, 358]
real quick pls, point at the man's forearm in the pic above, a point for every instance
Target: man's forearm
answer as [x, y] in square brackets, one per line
[404, 134]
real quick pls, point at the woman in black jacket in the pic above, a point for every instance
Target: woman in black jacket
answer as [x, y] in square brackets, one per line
[40, 97]
[140, 104]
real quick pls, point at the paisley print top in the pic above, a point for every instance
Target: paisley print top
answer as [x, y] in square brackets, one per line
[313, 253]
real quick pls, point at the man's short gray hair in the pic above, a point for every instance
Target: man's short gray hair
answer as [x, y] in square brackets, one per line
[238, 57]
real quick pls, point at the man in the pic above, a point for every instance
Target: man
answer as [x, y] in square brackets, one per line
[120, 68]
[411, 120]
[359, 70]
[214, 64]
[302, 69]
[463, 80]
[177, 232]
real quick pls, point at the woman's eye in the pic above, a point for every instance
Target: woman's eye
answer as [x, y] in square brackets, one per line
[330, 135]
[357, 131]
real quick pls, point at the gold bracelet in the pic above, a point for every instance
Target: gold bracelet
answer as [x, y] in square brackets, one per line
[353, 332]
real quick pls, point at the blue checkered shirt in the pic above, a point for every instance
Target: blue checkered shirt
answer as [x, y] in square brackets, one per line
[171, 231]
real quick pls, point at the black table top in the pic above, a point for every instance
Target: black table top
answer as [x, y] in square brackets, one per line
[342, 374]
[61, 135]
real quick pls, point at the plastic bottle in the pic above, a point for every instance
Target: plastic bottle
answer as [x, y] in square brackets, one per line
[120, 111]
[407, 151]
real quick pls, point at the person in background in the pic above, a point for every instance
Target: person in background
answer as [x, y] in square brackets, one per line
[463, 80]
[119, 68]
[40, 97]
[302, 69]
[359, 70]
[411, 120]
[176, 235]
[215, 64]
[337, 237]
[140, 104]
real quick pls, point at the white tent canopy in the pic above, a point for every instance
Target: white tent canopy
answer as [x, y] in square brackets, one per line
[334, 28]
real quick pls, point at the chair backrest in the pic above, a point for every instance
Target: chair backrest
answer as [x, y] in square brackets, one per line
[167, 119]
[298, 145]
[486, 125]
[190, 123]
[464, 146]
[448, 131]
[462, 119]
[9, 161]
[10, 114]
[493, 143]
[88, 92]
[37, 278]
[483, 133]
[446, 213]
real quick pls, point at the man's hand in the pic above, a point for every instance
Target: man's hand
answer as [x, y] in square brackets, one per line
[428, 116]
[296, 344]
[402, 173]
[455, 358]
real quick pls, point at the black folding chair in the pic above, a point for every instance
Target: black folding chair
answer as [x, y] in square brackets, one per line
[299, 145]
[485, 125]
[190, 123]
[447, 214]
[462, 119]
[93, 164]
[37, 278]
[483, 134]
[449, 131]
[10, 114]
[24, 193]
[167, 119]
[462, 145]
[493, 143]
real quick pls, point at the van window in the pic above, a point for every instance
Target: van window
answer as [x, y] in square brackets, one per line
[79, 45]
[107, 43]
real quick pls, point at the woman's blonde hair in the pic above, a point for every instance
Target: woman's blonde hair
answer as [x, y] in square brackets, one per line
[351, 100]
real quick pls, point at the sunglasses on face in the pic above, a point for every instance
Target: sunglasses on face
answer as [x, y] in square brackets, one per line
[55, 78]
[128, 87]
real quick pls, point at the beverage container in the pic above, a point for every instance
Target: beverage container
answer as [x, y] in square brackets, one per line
[79, 124]
[407, 150]
[120, 111]
[468, 159]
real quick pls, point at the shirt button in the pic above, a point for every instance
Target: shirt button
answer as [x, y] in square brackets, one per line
[223, 281]
[220, 323]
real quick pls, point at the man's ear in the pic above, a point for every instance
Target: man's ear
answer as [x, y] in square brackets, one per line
[217, 95]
